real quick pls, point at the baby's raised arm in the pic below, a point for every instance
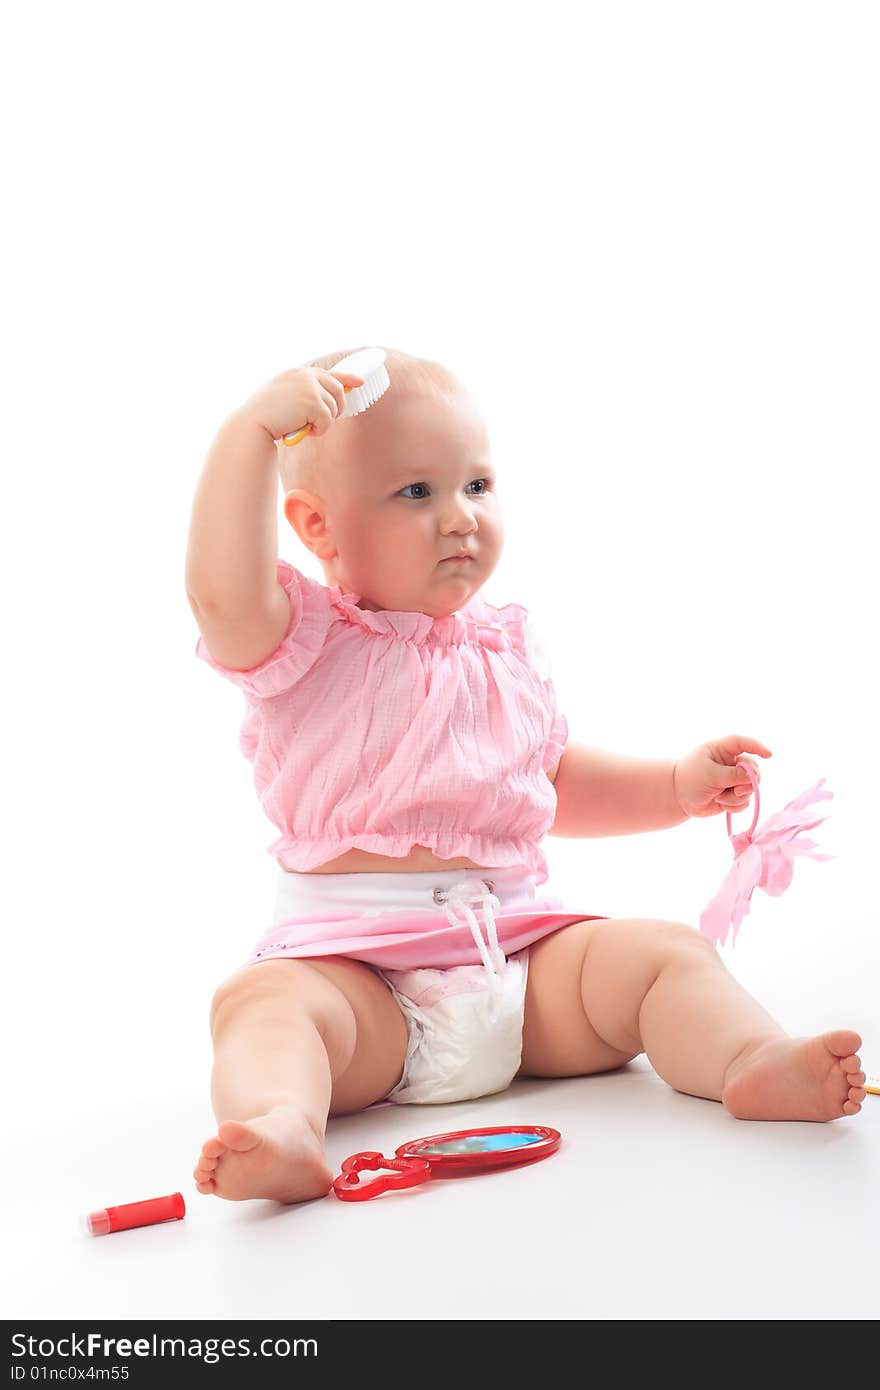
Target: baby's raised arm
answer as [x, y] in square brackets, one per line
[231, 570]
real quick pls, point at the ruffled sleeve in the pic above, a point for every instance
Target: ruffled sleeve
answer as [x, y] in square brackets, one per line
[556, 742]
[296, 653]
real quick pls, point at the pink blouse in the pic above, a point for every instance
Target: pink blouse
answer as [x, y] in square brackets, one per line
[380, 731]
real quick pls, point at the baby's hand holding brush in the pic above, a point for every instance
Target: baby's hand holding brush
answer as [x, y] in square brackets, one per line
[308, 400]
[305, 399]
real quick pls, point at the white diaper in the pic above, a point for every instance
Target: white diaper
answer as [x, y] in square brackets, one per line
[465, 1023]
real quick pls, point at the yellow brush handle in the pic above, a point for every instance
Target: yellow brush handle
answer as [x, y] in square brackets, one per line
[291, 439]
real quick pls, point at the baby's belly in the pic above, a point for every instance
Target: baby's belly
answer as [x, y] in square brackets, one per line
[358, 861]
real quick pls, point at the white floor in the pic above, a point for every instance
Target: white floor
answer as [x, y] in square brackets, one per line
[657, 1206]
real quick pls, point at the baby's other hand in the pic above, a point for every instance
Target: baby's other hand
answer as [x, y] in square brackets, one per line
[709, 781]
[302, 396]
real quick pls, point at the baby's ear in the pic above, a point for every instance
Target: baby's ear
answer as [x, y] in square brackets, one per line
[307, 514]
[298, 503]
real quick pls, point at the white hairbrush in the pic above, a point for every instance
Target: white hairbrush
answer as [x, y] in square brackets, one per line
[368, 363]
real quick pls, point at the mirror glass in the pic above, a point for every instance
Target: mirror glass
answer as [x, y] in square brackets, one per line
[481, 1144]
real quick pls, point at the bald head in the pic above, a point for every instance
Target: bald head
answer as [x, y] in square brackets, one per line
[345, 491]
[328, 466]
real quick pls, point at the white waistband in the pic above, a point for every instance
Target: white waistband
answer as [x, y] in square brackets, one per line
[456, 891]
[298, 894]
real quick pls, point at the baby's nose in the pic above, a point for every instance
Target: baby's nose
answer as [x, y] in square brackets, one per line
[461, 519]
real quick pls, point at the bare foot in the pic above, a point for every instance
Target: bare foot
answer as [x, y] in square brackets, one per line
[277, 1155]
[796, 1079]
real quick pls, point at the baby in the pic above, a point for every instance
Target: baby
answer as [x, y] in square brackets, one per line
[406, 743]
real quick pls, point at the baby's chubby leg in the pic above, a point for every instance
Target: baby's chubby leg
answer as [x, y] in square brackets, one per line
[294, 1041]
[604, 991]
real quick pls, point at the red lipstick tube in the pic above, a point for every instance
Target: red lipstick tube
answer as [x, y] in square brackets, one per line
[109, 1219]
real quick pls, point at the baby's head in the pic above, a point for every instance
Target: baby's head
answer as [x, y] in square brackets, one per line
[383, 498]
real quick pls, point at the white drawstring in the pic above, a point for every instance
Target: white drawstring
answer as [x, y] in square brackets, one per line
[461, 895]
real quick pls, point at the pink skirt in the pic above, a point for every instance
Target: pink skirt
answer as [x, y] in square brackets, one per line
[410, 921]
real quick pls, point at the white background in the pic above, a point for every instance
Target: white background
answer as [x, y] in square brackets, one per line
[646, 237]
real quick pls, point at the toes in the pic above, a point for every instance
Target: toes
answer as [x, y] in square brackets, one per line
[857, 1093]
[238, 1136]
[850, 1107]
[213, 1147]
[205, 1187]
[856, 1078]
[844, 1043]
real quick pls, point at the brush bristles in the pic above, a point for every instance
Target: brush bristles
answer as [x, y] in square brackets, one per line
[360, 398]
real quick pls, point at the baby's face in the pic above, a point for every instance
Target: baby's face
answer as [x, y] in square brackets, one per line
[413, 485]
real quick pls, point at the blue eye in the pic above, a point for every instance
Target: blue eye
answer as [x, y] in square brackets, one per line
[485, 482]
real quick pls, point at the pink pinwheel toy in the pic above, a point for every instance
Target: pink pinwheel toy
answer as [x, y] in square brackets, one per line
[763, 858]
